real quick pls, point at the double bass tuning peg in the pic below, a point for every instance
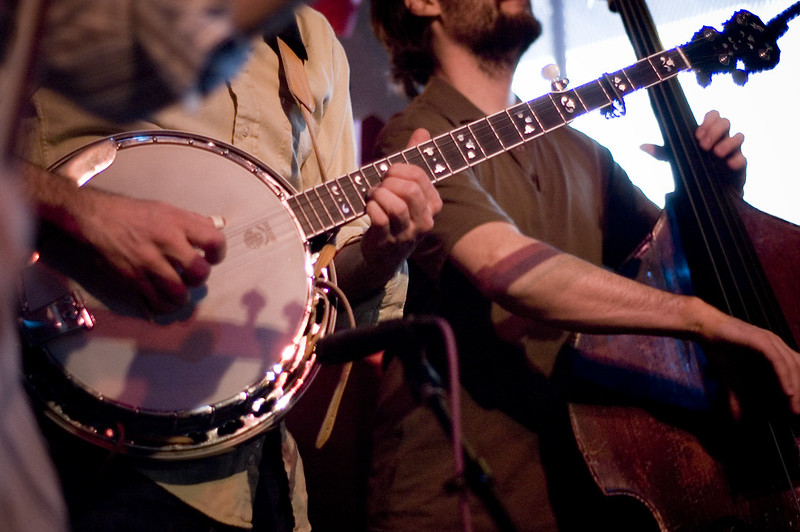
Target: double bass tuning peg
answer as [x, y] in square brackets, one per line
[552, 73]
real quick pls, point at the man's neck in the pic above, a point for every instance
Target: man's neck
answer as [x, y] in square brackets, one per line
[488, 88]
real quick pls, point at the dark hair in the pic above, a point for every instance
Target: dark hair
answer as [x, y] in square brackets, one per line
[407, 39]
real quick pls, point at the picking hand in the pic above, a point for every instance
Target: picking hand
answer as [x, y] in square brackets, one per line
[784, 360]
[160, 249]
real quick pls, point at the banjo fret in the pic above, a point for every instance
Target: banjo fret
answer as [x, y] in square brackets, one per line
[342, 205]
[450, 153]
[297, 203]
[504, 129]
[467, 145]
[330, 204]
[354, 197]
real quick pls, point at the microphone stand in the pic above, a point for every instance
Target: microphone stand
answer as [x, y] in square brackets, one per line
[426, 386]
[409, 340]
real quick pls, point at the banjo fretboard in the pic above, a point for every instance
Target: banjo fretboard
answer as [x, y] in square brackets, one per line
[339, 201]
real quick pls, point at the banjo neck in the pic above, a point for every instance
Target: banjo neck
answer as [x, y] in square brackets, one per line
[339, 201]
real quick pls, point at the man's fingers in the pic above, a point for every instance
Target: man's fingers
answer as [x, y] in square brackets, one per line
[196, 272]
[206, 236]
[730, 148]
[395, 212]
[413, 185]
[162, 287]
[377, 215]
[712, 130]
[409, 203]
[793, 370]
[786, 363]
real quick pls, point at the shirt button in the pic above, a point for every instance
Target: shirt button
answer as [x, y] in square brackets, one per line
[245, 131]
[251, 460]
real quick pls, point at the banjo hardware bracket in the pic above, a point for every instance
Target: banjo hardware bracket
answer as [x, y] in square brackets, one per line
[62, 316]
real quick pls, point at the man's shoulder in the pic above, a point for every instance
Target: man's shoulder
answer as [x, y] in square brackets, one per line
[313, 24]
[324, 49]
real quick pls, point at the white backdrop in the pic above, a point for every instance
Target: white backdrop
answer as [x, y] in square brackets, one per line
[765, 109]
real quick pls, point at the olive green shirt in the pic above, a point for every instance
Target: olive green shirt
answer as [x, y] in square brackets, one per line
[563, 189]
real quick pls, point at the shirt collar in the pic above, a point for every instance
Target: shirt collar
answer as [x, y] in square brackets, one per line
[441, 95]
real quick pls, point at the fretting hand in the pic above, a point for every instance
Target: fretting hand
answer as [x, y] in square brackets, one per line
[401, 211]
[713, 135]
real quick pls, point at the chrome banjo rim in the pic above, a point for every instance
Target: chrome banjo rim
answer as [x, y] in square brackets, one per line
[207, 429]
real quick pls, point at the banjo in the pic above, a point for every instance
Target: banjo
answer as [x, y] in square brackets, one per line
[231, 363]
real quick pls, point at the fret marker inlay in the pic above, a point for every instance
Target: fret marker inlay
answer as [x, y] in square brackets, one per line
[568, 104]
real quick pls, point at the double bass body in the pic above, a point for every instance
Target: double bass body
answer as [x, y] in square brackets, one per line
[650, 414]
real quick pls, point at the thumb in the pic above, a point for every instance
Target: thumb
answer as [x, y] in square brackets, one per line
[657, 152]
[418, 137]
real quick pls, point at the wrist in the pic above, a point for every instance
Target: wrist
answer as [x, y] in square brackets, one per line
[703, 322]
[68, 207]
[383, 261]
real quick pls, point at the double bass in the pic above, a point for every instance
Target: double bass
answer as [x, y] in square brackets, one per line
[702, 439]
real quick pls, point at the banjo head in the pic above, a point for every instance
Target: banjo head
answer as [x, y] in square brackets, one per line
[224, 367]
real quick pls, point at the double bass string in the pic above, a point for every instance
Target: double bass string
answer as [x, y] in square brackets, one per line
[678, 125]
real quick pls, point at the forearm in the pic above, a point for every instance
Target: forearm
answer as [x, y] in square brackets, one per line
[534, 280]
[54, 198]
[575, 295]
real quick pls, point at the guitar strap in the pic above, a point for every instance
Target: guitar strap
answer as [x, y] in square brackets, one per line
[297, 80]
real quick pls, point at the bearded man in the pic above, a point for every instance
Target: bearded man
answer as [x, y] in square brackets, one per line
[514, 264]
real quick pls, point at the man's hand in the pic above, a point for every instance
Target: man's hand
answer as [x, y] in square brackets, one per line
[401, 210]
[723, 329]
[160, 249]
[714, 135]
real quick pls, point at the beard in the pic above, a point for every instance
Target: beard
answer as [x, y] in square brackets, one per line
[496, 38]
